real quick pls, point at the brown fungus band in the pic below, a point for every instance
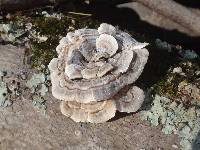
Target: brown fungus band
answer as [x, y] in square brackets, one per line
[92, 69]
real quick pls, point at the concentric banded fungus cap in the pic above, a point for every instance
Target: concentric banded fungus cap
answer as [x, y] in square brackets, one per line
[76, 75]
[95, 112]
[106, 46]
[106, 29]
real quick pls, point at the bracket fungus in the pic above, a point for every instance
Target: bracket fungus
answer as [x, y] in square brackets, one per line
[92, 70]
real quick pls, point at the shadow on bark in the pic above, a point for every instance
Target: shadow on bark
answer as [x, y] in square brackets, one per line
[128, 19]
[196, 143]
[189, 3]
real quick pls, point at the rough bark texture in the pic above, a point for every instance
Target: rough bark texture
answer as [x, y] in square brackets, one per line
[155, 18]
[11, 58]
[176, 13]
[22, 126]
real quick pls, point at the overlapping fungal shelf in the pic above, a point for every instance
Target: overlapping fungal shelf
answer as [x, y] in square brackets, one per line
[93, 73]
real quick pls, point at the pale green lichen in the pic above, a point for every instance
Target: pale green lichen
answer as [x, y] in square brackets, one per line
[163, 45]
[190, 54]
[35, 81]
[11, 32]
[5, 27]
[43, 90]
[177, 111]
[4, 98]
[38, 84]
[39, 103]
[175, 118]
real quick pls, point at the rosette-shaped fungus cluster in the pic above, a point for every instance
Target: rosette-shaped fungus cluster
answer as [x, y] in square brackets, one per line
[94, 72]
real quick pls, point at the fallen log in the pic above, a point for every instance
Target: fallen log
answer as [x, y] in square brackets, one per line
[175, 12]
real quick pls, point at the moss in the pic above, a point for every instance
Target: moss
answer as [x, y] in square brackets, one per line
[49, 26]
[168, 85]
[42, 53]
[53, 29]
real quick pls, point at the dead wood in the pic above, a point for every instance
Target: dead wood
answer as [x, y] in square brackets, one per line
[175, 12]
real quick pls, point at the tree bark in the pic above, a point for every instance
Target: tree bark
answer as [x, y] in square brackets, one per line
[175, 12]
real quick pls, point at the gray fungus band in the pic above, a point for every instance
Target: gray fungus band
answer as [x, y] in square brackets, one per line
[92, 71]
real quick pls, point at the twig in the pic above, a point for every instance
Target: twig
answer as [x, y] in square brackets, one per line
[79, 13]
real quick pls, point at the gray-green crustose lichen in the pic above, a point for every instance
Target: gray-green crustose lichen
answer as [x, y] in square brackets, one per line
[39, 103]
[175, 118]
[190, 54]
[178, 109]
[163, 45]
[38, 84]
[35, 81]
[4, 98]
[11, 32]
